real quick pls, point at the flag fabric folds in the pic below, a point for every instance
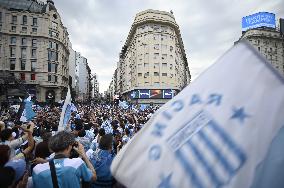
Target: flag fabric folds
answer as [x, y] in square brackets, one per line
[224, 130]
[123, 104]
[66, 112]
[27, 114]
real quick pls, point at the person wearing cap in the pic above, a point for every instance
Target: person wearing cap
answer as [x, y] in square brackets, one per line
[101, 160]
[68, 172]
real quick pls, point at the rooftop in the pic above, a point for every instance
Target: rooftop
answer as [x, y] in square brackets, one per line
[26, 5]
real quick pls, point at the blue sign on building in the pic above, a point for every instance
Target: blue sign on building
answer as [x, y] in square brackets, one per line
[168, 94]
[144, 93]
[261, 19]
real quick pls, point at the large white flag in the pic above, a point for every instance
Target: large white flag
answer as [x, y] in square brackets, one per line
[66, 112]
[223, 130]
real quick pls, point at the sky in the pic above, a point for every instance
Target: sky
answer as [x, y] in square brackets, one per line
[99, 28]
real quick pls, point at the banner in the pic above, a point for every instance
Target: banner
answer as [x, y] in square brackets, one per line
[66, 112]
[123, 104]
[224, 130]
[28, 114]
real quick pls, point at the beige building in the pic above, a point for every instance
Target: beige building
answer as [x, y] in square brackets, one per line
[34, 47]
[153, 66]
[269, 42]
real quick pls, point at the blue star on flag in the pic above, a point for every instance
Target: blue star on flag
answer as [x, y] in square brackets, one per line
[166, 181]
[240, 114]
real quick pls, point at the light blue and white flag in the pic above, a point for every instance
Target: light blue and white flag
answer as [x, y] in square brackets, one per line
[66, 112]
[224, 130]
[28, 114]
[123, 104]
[143, 107]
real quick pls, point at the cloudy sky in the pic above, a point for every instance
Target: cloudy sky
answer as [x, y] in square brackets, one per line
[98, 28]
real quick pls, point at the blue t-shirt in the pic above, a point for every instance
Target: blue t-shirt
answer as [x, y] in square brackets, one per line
[101, 160]
[68, 171]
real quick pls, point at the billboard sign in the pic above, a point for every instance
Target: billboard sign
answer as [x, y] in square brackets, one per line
[134, 94]
[261, 19]
[168, 94]
[156, 94]
[144, 93]
[152, 94]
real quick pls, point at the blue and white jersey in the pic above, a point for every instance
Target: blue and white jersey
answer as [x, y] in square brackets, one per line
[68, 171]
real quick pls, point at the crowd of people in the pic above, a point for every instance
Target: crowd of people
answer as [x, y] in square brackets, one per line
[36, 154]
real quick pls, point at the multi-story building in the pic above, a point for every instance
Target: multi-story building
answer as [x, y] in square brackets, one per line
[72, 68]
[34, 47]
[95, 83]
[83, 78]
[152, 66]
[268, 40]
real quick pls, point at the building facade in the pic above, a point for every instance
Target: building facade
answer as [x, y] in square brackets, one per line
[72, 67]
[83, 86]
[152, 65]
[269, 42]
[95, 89]
[34, 47]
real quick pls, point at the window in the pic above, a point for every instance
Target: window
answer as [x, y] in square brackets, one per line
[164, 29]
[33, 53]
[146, 65]
[33, 66]
[13, 28]
[24, 29]
[171, 66]
[164, 37]
[52, 67]
[25, 20]
[23, 53]
[14, 19]
[171, 48]
[54, 25]
[34, 43]
[156, 55]
[53, 33]
[52, 78]
[156, 74]
[32, 76]
[139, 74]
[156, 37]
[164, 65]
[12, 51]
[23, 64]
[24, 41]
[156, 46]
[12, 64]
[156, 65]
[34, 21]
[53, 45]
[34, 30]
[139, 66]
[13, 40]
[22, 75]
[164, 56]
[146, 74]
[164, 74]
[0, 16]
[52, 56]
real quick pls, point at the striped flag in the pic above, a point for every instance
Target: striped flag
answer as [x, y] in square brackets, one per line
[123, 104]
[66, 112]
[226, 129]
[26, 111]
